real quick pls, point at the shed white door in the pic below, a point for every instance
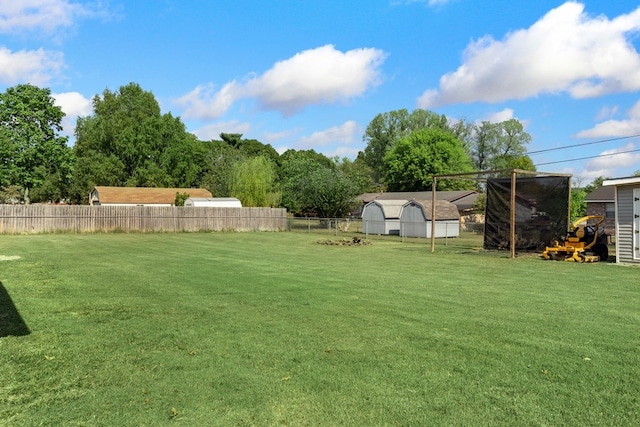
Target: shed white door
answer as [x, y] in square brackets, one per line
[636, 223]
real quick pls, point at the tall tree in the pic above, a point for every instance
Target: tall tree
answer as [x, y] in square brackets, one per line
[484, 148]
[412, 162]
[511, 145]
[386, 129]
[128, 142]
[253, 181]
[310, 186]
[358, 172]
[381, 135]
[232, 139]
[33, 155]
[500, 146]
[218, 165]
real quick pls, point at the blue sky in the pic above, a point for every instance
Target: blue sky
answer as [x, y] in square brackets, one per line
[312, 74]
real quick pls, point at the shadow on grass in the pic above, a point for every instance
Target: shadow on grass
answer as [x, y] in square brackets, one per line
[11, 322]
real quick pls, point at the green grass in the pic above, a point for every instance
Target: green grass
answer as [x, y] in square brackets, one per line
[273, 329]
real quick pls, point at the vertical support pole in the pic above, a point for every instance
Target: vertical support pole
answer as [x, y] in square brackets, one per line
[513, 214]
[569, 206]
[433, 215]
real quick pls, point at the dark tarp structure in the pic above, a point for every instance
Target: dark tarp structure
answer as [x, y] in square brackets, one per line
[541, 212]
[11, 322]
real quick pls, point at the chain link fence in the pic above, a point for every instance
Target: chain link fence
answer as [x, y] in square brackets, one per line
[347, 228]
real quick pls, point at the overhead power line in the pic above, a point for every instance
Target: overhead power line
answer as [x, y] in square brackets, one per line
[602, 141]
[588, 157]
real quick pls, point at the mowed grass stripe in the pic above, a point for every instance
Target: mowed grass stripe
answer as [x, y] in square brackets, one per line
[274, 329]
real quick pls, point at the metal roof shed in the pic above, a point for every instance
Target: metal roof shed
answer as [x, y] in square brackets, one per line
[382, 217]
[213, 202]
[415, 219]
[627, 200]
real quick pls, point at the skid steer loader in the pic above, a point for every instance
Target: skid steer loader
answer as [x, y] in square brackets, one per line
[585, 242]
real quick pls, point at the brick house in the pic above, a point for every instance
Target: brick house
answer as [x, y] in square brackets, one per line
[601, 201]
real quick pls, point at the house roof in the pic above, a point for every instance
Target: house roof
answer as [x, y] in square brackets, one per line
[142, 195]
[463, 199]
[390, 208]
[604, 194]
[444, 209]
[622, 181]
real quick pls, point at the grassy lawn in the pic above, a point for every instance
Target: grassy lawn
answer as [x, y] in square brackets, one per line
[273, 329]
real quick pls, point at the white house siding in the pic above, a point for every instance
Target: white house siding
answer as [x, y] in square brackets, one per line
[636, 224]
[627, 239]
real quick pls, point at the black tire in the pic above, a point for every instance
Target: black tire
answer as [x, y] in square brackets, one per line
[602, 251]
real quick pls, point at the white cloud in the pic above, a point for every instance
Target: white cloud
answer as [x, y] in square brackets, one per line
[565, 51]
[346, 133]
[44, 15]
[610, 163]
[282, 148]
[499, 116]
[606, 112]
[615, 128]
[313, 77]
[203, 103]
[341, 152]
[37, 67]
[74, 105]
[214, 130]
[270, 137]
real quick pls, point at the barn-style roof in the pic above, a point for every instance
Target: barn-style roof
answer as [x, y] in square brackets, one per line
[444, 210]
[141, 195]
[390, 208]
[463, 199]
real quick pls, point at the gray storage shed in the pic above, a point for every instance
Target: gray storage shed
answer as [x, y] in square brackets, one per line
[382, 217]
[415, 219]
[627, 207]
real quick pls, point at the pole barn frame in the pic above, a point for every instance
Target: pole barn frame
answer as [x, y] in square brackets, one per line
[476, 176]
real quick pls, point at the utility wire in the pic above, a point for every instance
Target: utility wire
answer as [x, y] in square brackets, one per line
[581, 145]
[588, 157]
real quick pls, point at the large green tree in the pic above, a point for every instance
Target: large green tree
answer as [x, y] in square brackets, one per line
[218, 165]
[500, 146]
[311, 186]
[253, 181]
[128, 142]
[33, 156]
[412, 162]
[358, 172]
[386, 129]
[222, 156]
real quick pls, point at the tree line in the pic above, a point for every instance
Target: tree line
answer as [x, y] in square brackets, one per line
[128, 141]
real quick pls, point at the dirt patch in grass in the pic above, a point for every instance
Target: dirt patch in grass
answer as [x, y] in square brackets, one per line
[356, 241]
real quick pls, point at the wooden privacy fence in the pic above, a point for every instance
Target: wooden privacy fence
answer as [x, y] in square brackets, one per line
[17, 219]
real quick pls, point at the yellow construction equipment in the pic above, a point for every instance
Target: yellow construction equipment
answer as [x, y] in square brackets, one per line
[585, 242]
